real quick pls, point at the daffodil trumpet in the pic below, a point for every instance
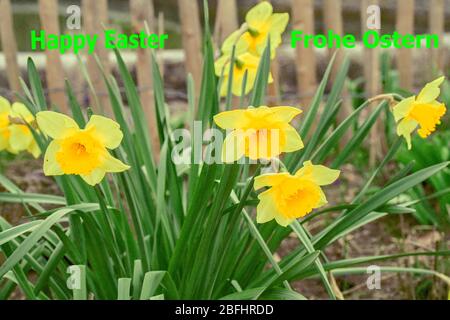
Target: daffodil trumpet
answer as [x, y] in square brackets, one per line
[83, 152]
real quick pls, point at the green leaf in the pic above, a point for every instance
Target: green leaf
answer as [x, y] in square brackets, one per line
[37, 234]
[124, 286]
[377, 200]
[152, 281]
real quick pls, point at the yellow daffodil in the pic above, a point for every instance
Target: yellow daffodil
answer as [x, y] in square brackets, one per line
[258, 133]
[78, 151]
[292, 196]
[21, 137]
[5, 111]
[423, 111]
[263, 24]
[243, 63]
[15, 134]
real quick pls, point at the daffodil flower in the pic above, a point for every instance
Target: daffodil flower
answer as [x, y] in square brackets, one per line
[292, 196]
[243, 63]
[424, 111]
[250, 41]
[258, 133]
[263, 24]
[5, 111]
[83, 152]
[21, 138]
[15, 134]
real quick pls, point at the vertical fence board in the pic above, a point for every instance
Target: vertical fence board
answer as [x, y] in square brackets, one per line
[405, 25]
[48, 12]
[372, 87]
[95, 17]
[142, 11]
[305, 62]
[191, 38]
[9, 45]
[436, 23]
[332, 10]
[332, 14]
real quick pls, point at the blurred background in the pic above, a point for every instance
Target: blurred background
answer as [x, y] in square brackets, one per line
[343, 16]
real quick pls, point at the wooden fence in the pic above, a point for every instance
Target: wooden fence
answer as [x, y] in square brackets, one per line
[95, 17]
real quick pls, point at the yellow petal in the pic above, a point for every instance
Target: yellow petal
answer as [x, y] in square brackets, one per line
[285, 113]
[20, 137]
[5, 106]
[431, 91]
[318, 174]
[233, 119]
[19, 110]
[323, 199]
[269, 179]
[239, 79]
[233, 146]
[267, 208]
[224, 87]
[250, 65]
[107, 130]
[293, 140]
[222, 66]
[405, 128]
[111, 164]
[230, 41]
[55, 125]
[282, 220]
[257, 16]
[242, 45]
[51, 166]
[4, 138]
[402, 109]
[34, 149]
[278, 22]
[250, 61]
[95, 177]
[275, 41]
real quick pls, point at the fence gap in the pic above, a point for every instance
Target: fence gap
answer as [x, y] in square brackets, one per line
[436, 24]
[405, 25]
[9, 45]
[332, 12]
[49, 16]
